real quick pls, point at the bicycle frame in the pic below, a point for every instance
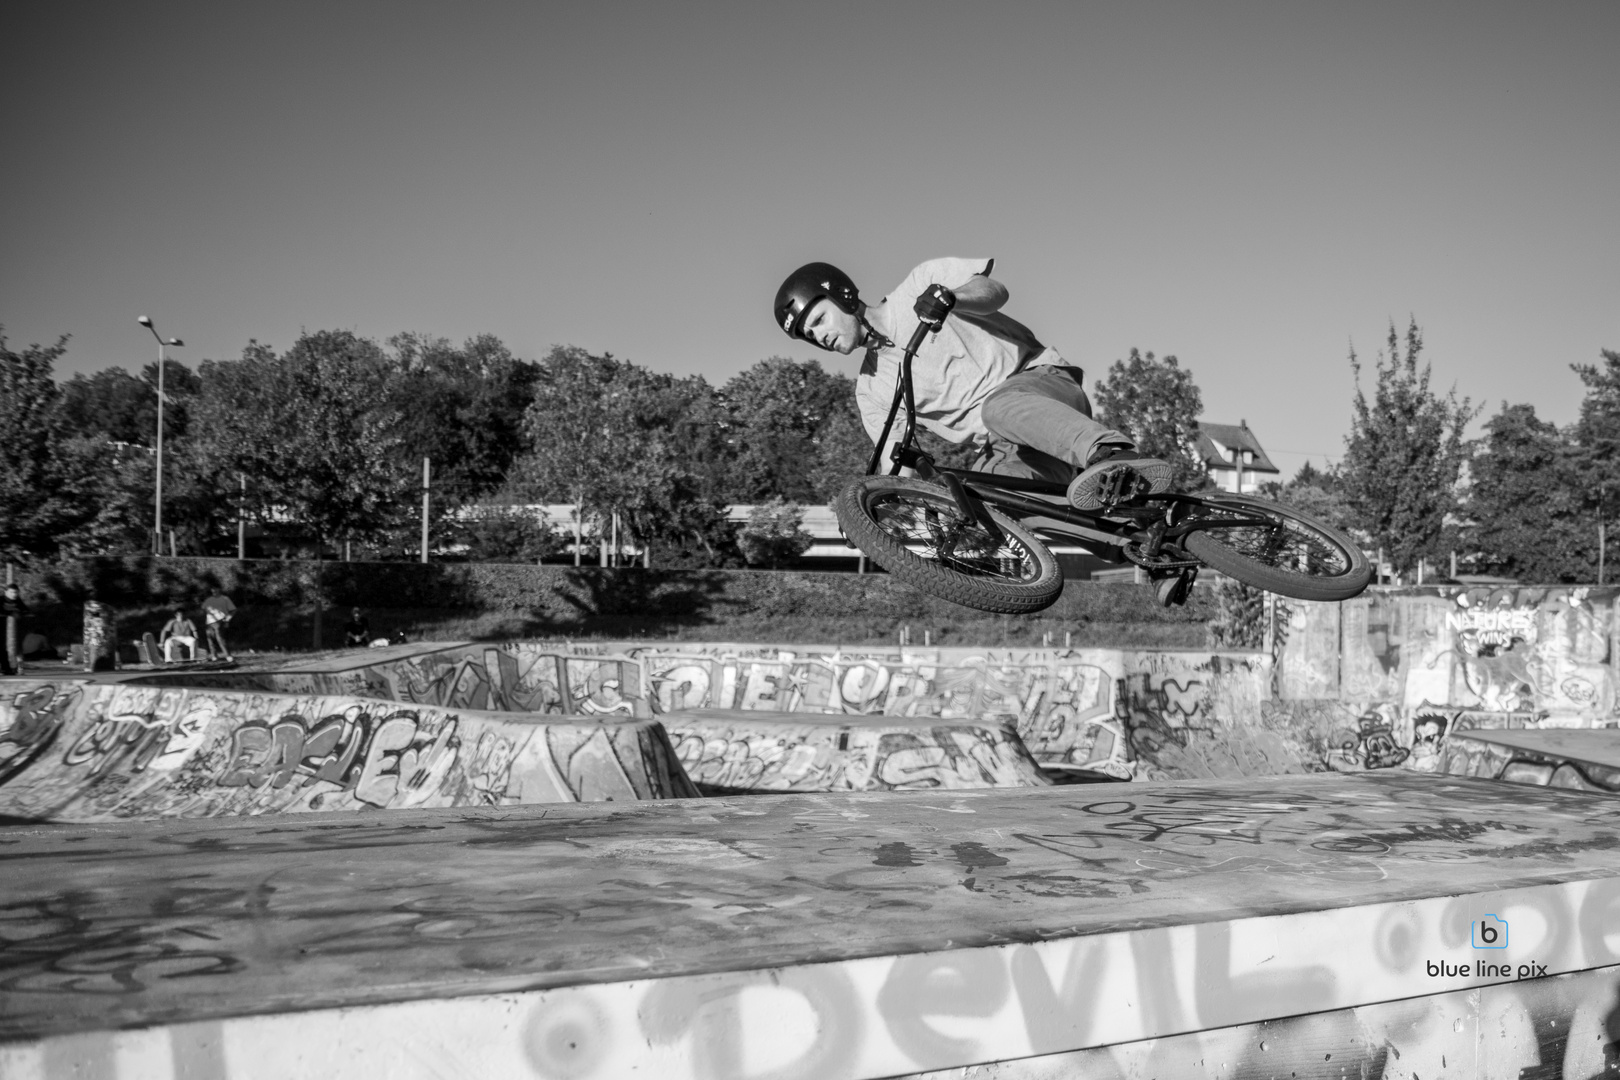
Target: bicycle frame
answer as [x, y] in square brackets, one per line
[1147, 532]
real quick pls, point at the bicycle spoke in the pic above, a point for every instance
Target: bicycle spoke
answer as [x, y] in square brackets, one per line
[1285, 545]
[943, 536]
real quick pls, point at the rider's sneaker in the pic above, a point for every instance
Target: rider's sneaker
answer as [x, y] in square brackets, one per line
[1086, 491]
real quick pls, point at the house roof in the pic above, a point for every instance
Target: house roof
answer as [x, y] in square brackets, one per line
[1217, 441]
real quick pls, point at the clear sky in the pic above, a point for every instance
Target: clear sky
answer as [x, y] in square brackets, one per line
[1248, 186]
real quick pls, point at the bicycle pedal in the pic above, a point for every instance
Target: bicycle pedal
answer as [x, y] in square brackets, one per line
[1122, 486]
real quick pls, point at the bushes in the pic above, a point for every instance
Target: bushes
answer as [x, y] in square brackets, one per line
[578, 600]
[1240, 616]
[774, 534]
[516, 533]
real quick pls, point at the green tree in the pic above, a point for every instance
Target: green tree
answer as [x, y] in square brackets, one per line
[507, 534]
[1595, 483]
[123, 407]
[1524, 513]
[780, 412]
[842, 450]
[38, 503]
[113, 484]
[462, 407]
[603, 434]
[313, 433]
[1156, 403]
[774, 534]
[1404, 453]
[1597, 429]
[111, 402]
[1317, 492]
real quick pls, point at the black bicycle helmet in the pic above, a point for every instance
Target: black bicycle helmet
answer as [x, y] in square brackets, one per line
[804, 287]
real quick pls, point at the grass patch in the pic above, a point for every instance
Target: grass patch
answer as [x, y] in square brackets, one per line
[491, 602]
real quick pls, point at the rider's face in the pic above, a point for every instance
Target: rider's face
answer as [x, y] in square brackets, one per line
[830, 327]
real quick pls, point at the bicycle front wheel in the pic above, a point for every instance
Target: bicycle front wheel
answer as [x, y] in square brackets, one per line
[915, 531]
[1291, 554]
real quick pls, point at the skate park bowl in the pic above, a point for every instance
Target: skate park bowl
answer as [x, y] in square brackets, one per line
[1100, 714]
[1296, 861]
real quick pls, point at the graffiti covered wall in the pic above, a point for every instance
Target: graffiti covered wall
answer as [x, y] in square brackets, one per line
[1389, 679]
[1383, 681]
[1124, 714]
[726, 752]
[84, 752]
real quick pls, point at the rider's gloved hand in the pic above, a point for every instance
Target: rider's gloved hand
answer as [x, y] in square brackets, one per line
[934, 304]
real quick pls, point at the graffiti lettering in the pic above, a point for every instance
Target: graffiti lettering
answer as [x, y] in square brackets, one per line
[29, 725]
[114, 738]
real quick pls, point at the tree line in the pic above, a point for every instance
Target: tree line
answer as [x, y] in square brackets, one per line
[330, 434]
[1527, 499]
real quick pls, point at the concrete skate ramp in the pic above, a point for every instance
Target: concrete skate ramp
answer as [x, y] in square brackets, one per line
[859, 935]
[1583, 759]
[1125, 713]
[727, 751]
[80, 751]
[544, 678]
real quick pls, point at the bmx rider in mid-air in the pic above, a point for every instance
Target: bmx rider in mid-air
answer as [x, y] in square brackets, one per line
[983, 376]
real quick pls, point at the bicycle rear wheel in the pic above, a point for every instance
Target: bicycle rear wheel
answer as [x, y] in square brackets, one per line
[1292, 555]
[915, 531]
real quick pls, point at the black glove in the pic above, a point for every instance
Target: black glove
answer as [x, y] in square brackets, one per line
[934, 304]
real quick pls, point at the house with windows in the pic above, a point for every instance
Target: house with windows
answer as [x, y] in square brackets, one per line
[1234, 457]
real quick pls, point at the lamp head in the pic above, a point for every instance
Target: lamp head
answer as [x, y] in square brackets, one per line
[175, 341]
[144, 321]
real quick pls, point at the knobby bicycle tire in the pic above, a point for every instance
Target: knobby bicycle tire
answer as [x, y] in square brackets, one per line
[1327, 564]
[868, 504]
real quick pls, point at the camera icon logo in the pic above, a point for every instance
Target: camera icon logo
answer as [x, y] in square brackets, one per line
[1490, 932]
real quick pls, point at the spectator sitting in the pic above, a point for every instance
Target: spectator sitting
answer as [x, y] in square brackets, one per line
[357, 631]
[179, 631]
[36, 647]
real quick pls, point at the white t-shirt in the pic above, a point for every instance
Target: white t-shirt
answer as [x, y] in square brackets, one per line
[955, 369]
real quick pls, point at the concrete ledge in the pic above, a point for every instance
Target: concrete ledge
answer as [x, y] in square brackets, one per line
[1583, 759]
[730, 751]
[78, 751]
[862, 935]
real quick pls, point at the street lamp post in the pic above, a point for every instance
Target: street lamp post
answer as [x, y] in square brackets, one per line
[158, 497]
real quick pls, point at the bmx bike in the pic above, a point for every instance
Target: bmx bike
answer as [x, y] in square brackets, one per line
[981, 539]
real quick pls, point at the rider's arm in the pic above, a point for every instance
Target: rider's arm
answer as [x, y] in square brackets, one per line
[980, 295]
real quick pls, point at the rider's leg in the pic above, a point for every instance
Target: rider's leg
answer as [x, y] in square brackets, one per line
[1045, 408]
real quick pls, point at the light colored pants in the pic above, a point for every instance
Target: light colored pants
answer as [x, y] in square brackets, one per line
[1041, 427]
[179, 639]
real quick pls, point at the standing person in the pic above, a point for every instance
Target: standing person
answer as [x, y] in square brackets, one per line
[100, 637]
[982, 376]
[178, 631]
[217, 612]
[12, 608]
